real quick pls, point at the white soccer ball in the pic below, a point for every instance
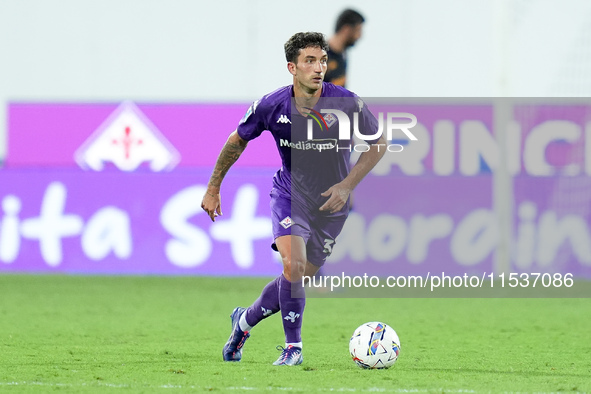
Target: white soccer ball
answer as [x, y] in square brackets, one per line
[374, 345]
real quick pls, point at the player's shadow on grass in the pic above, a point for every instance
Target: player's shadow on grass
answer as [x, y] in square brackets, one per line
[489, 371]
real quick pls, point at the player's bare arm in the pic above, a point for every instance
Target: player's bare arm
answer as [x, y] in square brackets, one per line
[231, 151]
[338, 194]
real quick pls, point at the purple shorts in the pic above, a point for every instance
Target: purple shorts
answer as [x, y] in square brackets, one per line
[318, 230]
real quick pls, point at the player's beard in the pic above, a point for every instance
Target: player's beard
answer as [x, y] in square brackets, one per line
[316, 87]
[349, 43]
[311, 86]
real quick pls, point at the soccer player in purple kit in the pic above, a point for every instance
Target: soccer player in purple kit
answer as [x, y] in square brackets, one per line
[309, 198]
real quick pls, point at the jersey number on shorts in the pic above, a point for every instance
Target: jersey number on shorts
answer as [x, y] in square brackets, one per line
[328, 246]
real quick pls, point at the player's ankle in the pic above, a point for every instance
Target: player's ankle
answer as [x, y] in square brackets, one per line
[243, 324]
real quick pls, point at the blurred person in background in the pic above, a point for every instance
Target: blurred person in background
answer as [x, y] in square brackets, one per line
[348, 30]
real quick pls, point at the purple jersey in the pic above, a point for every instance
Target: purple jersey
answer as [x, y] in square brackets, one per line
[309, 166]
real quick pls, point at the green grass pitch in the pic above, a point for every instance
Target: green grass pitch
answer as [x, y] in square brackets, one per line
[153, 334]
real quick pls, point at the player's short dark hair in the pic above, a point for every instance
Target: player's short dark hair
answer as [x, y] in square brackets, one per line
[348, 17]
[301, 41]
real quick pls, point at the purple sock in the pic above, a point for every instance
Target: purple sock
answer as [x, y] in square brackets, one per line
[292, 308]
[266, 305]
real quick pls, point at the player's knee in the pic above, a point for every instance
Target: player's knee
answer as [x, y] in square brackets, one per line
[293, 268]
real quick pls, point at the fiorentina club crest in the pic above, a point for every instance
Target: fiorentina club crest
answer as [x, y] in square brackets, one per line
[330, 119]
[287, 222]
[127, 138]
